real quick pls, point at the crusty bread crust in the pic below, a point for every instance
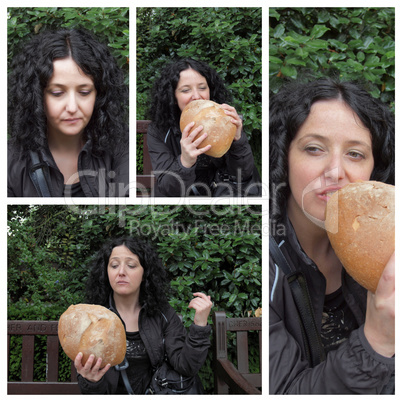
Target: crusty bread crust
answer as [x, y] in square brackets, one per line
[92, 329]
[360, 222]
[215, 122]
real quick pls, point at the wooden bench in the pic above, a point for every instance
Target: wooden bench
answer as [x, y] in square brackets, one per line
[146, 180]
[228, 377]
[28, 330]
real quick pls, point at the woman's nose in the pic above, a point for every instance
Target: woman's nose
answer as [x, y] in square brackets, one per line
[196, 95]
[71, 106]
[335, 171]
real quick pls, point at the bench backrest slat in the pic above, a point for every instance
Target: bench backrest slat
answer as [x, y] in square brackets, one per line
[242, 352]
[28, 348]
[146, 180]
[52, 358]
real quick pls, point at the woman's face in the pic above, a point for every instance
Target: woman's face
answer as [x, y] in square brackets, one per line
[331, 149]
[191, 86]
[69, 99]
[125, 272]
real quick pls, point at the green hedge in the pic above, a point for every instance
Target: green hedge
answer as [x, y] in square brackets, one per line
[229, 39]
[349, 43]
[215, 249]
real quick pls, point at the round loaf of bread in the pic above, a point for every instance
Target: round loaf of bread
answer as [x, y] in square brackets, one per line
[360, 222]
[215, 122]
[92, 329]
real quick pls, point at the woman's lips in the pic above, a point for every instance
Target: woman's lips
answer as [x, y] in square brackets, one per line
[327, 193]
[71, 121]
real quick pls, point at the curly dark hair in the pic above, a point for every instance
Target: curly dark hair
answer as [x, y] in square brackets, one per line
[31, 70]
[290, 107]
[164, 111]
[154, 288]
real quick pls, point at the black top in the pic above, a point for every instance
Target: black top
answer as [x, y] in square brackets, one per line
[139, 371]
[338, 321]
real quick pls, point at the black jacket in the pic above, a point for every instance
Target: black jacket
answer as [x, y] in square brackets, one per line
[353, 368]
[186, 351]
[173, 179]
[100, 176]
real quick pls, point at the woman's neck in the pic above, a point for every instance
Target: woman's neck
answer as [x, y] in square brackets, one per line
[309, 234]
[65, 151]
[64, 144]
[315, 243]
[128, 308]
[126, 304]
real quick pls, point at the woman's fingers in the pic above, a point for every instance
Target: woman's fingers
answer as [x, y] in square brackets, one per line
[90, 371]
[189, 145]
[386, 284]
[187, 129]
[236, 120]
[379, 327]
[202, 305]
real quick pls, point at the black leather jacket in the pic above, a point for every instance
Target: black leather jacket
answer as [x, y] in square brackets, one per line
[353, 368]
[173, 179]
[100, 176]
[186, 351]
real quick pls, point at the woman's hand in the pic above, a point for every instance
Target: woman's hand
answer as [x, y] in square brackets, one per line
[379, 327]
[202, 305]
[236, 120]
[93, 374]
[189, 147]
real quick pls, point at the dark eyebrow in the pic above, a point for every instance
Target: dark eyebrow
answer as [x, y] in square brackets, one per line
[127, 258]
[55, 84]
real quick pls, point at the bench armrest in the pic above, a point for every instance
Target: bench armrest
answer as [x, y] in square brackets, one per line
[228, 372]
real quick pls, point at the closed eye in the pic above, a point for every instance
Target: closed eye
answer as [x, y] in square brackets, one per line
[57, 94]
[85, 93]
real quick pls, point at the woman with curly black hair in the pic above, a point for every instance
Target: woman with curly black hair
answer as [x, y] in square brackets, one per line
[128, 277]
[339, 338]
[180, 166]
[67, 119]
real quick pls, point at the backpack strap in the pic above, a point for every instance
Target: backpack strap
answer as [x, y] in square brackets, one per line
[38, 176]
[298, 286]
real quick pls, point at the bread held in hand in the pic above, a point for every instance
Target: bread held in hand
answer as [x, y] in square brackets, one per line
[92, 329]
[219, 127]
[360, 222]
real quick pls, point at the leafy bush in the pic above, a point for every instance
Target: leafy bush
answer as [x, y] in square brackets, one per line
[228, 39]
[350, 43]
[214, 249]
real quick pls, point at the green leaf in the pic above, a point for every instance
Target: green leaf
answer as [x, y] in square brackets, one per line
[294, 61]
[289, 71]
[275, 60]
[372, 61]
[318, 31]
[278, 31]
[317, 44]
[232, 299]
[338, 44]
[355, 65]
